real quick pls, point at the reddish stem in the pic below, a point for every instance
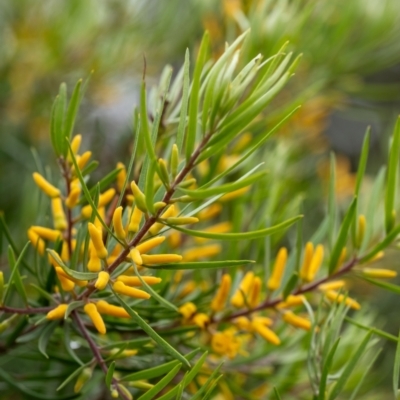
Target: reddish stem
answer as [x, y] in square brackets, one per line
[13, 310]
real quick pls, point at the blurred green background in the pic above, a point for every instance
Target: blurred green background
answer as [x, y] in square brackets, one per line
[348, 78]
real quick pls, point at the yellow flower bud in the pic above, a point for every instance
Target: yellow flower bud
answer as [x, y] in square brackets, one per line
[140, 198]
[135, 256]
[334, 285]
[254, 295]
[161, 258]
[75, 144]
[174, 160]
[316, 262]
[189, 288]
[104, 199]
[243, 291]
[84, 376]
[59, 220]
[94, 263]
[47, 233]
[339, 298]
[164, 175]
[174, 239]
[308, 253]
[362, 223]
[73, 197]
[266, 333]
[159, 205]
[171, 211]
[148, 245]
[291, 301]
[342, 258]
[263, 320]
[225, 343]
[121, 288]
[97, 240]
[58, 312]
[92, 312]
[222, 294]
[274, 282]
[61, 274]
[45, 186]
[83, 159]
[102, 280]
[202, 252]
[117, 222]
[36, 241]
[379, 273]
[67, 284]
[222, 227]
[135, 281]
[201, 320]
[135, 219]
[121, 177]
[296, 321]
[181, 220]
[210, 212]
[114, 311]
[233, 195]
[243, 323]
[187, 310]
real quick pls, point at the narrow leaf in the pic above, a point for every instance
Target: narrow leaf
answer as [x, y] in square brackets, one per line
[110, 374]
[201, 265]
[45, 337]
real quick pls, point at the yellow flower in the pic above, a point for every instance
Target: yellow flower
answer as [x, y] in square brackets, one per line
[135, 281]
[238, 299]
[75, 144]
[47, 233]
[102, 280]
[296, 321]
[97, 240]
[91, 310]
[121, 288]
[201, 320]
[117, 222]
[45, 186]
[234, 194]
[362, 224]
[61, 274]
[36, 241]
[315, 263]
[210, 212]
[274, 282]
[150, 244]
[94, 263]
[265, 332]
[339, 298]
[181, 220]
[291, 301]
[222, 227]
[187, 310]
[140, 198]
[334, 285]
[379, 273]
[58, 312]
[73, 197]
[85, 375]
[222, 294]
[83, 159]
[134, 254]
[308, 253]
[104, 199]
[161, 258]
[243, 323]
[114, 311]
[135, 219]
[59, 220]
[254, 296]
[121, 177]
[170, 212]
[225, 343]
[201, 252]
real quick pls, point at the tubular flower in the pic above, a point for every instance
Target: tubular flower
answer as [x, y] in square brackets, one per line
[222, 294]
[274, 282]
[339, 298]
[189, 288]
[102, 280]
[238, 299]
[140, 198]
[362, 224]
[59, 220]
[174, 239]
[225, 343]
[45, 186]
[135, 256]
[104, 199]
[75, 144]
[222, 227]
[60, 273]
[92, 312]
[83, 159]
[121, 288]
[210, 212]
[113, 311]
[121, 177]
[181, 220]
[233, 195]
[242, 323]
[295, 320]
[342, 258]
[379, 273]
[135, 281]
[291, 301]
[315, 263]
[161, 258]
[73, 197]
[308, 253]
[47, 233]
[83, 377]
[266, 333]
[170, 212]
[97, 240]
[135, 220]
[201, 320]
[117, 222]
[187, 310]
[36, 241]
[94, 263]
[263, 320]
[254, 296]
[148, 245]
[58, 312]
[202, 252]
[66, 283]
[334, 285]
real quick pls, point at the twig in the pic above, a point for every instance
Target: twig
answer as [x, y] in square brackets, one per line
[37, 310]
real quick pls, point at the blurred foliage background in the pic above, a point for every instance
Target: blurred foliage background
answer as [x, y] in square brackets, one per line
[348, 78]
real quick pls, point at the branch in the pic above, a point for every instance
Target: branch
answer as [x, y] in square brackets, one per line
[37, 310]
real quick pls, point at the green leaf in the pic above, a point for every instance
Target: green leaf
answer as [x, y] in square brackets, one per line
[110, 374]
[15, 274]
[291, 284]
[345, 375]
[151, 332]
[53, 126]
[396, 369]
[200, 265]
[72, 111]
[190, 376]
[342, 237]
[332, 201]
[277, 395]
[164, 302]
[105, 182]
[382, 284]
[226, 188]
[43, 293]
[82, 276]
[325, 370]
[374, 330]
[207, 383]
[57, 123]
[72, 306]
[149, 187]
[76, 373]
[155, 372]
[241, 235]
[45, 337]
[392, 180]
[185, 102]
[194, 97]
[145, 123]
[150, 394]
[90, 168]
[362, 165]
